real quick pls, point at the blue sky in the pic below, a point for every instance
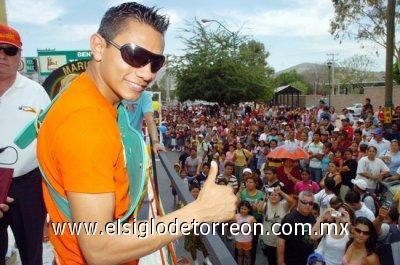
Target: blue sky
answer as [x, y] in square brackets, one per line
[293, 31]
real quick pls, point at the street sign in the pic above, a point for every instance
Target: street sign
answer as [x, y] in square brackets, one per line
[27, 65]
[50, 60]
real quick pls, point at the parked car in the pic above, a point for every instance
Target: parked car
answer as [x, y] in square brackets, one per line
[356, 109]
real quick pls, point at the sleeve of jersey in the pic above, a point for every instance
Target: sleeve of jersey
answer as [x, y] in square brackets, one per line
[86, 150]
[147, 103]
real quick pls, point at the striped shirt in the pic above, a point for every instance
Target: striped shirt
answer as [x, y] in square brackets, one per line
[231, 182]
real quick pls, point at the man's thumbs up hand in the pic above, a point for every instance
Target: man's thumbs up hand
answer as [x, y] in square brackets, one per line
[216, 203]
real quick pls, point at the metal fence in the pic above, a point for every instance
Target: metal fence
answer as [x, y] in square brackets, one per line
[219, 254]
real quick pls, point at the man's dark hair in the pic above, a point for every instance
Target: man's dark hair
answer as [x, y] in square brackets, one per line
[329, 183]
[358, 131]
[115, 18]
[229, 164]
[348, 150]
[363, 147]
[206, 165]
[352, 197]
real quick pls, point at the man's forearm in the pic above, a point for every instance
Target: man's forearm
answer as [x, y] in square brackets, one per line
[152, 128]
[280, 251]
[117, 249]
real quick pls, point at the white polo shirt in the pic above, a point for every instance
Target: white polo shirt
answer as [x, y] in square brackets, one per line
[15, 103]
[381, 146]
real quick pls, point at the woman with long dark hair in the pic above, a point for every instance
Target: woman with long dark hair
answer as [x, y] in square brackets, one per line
[360, 250]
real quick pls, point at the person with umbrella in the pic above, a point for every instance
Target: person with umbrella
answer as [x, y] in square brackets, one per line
[288, 173]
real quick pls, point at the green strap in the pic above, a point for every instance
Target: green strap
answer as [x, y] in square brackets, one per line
[134, 154]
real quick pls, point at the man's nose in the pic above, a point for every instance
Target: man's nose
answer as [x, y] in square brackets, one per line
[145, 73]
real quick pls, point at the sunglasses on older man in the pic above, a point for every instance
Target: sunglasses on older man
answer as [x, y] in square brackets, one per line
[10, 50]
[137, 56]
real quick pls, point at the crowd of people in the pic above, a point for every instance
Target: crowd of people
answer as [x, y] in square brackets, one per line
[340, 182]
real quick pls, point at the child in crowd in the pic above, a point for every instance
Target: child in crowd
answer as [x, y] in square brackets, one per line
[193, 242]
[221, 163]
[244, 241]
[362, 151]
[177, 168]
[337, 159]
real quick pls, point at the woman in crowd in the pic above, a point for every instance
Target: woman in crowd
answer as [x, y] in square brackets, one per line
[241, 158]
[193, 163]
[306, 183]
[360, 250]
[371, 169]
[391, 157]
[332, 245]
[333, 172]
[275, 208]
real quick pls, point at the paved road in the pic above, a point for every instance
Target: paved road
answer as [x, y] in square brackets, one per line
[167, 199]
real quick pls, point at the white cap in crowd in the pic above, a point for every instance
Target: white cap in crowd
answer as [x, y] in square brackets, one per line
[247, 170]
[360, 183]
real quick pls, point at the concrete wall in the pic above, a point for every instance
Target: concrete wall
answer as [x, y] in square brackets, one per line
[376, 94]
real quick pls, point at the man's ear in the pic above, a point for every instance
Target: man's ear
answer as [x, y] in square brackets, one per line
[97, 46]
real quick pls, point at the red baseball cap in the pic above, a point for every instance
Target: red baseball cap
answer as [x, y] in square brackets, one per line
[10, 36]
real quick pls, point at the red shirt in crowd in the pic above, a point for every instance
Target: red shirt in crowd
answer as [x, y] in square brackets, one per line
[288, 184]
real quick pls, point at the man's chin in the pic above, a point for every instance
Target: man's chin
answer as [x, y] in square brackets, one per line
[132, 96]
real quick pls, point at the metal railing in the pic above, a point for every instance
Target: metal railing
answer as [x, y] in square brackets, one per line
[219, 253]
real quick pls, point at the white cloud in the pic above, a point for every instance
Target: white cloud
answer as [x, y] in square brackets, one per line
[176, 17]
[81, 32]
[301, 19]
[38, 12]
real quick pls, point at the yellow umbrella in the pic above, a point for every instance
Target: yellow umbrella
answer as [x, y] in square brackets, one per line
[156, 106]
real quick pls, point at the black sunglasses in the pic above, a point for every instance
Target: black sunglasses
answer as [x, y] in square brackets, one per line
[10, 51]
[305, 202]
[137, 56]
[359, 231]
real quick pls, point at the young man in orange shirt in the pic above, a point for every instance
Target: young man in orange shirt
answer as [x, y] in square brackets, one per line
[80, 148]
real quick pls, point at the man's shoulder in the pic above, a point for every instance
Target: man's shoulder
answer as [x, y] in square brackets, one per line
[30, 88]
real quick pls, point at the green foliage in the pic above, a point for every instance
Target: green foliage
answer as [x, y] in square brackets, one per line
[156, 88]
[362, 20]
[396, 72]
[221, 66]
[294, 79]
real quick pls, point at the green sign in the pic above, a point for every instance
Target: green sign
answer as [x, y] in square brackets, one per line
[50, 60]
[30, 64]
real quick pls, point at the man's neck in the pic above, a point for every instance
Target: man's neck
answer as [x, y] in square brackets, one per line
[6, 83]
[93, 72]
[270, 182]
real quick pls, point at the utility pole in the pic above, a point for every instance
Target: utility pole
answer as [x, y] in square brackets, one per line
[332, 59]
[3, 13]
[390, 29]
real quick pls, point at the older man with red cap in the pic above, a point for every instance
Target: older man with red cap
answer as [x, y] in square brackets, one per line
[21, 99]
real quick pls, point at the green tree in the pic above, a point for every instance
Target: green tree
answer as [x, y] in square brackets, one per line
[396, 73]
[354, 71]
[156, 88]
[363, 20]
[294, 79]
[221, 66]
